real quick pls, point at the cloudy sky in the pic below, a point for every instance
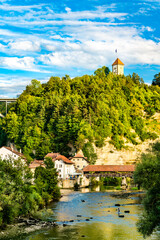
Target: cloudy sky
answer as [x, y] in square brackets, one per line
[44, 38]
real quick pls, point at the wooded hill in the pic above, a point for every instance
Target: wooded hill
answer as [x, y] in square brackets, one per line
[81, 112]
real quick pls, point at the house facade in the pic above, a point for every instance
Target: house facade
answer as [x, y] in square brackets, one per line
[79, 161]
[7, 153]
[63, 165]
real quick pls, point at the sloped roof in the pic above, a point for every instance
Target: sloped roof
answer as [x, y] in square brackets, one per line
[109, 168]
[15, 152]
[79, 155]
[52, 155]
[64, 159]
[118, 62]
[36, 163]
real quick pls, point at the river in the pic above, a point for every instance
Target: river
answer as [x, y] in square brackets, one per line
[93, 216]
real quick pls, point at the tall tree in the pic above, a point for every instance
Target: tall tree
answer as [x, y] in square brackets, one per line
[156, 80]
[147, 175]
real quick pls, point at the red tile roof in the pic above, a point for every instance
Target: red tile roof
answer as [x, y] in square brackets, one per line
[118, 62]
[109, 168]
[64, 159]
[79, 155]
[52, 155]
[36, 163]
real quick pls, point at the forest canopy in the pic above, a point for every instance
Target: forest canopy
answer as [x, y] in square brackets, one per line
[81, 112]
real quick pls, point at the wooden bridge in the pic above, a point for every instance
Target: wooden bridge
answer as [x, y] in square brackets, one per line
[109, 171]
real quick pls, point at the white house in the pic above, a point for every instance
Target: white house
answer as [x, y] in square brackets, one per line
[8, 153]
[63, 165]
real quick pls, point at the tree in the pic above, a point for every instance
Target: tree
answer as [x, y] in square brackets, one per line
[147, 175]
[46, 180]
[156, 80]
[104, 71]
[18, 197]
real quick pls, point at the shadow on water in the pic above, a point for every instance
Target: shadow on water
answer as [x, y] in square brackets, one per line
[92, 215]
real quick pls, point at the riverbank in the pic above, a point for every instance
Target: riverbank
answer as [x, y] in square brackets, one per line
[28, 226]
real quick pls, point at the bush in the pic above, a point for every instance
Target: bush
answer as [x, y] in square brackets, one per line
[110, 181]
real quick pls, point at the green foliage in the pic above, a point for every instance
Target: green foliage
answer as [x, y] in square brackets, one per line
[147, 175]
[17, 194]
[51, 117]
[46, 181]
[156, 80]
[110, 181]
[89, 152]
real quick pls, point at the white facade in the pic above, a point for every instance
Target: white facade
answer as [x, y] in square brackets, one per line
[65, 170]
[7, 153]
[118, 67]
[80, 162]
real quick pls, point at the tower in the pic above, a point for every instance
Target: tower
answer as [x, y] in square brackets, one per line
[118, 67]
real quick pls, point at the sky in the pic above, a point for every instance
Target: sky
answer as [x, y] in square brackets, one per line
[44, 38]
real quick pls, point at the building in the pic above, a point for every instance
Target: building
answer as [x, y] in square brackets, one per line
[7, 153]
[36, 163]
[80, 161]
[63, 165]
[118, 67]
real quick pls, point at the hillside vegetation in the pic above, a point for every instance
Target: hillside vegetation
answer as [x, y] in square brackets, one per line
[81, 111]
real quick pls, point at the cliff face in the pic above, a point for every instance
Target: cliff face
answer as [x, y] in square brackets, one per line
[129, 155]
[108, 155]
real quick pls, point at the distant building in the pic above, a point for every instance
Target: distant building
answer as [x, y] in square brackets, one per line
[9, 153]
[118, 67]
[80, 161]
[36, 163]
[63, 165]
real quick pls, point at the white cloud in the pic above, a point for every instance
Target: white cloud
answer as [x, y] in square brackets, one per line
[68, 9]
[25, 63]
[25, 45]
[8, 7]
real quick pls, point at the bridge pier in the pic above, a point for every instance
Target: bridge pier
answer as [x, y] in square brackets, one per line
[8, 100]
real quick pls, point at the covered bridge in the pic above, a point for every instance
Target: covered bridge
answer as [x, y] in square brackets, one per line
[109, 170]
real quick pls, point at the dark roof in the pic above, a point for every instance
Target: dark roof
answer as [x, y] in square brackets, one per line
[64, 159]
[109, 168]
[118, 62]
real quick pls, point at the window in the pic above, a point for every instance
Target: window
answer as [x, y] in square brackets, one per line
[77, 165]
[60, 165]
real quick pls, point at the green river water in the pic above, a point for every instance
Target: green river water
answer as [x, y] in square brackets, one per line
[100, 209]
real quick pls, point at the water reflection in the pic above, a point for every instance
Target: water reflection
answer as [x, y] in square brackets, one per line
[103, 222]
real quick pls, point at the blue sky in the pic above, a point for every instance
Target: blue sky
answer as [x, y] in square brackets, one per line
[44, 38]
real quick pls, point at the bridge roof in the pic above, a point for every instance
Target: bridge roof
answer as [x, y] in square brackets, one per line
[109, 168]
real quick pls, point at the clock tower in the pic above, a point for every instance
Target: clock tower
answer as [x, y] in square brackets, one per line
[118, 67]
